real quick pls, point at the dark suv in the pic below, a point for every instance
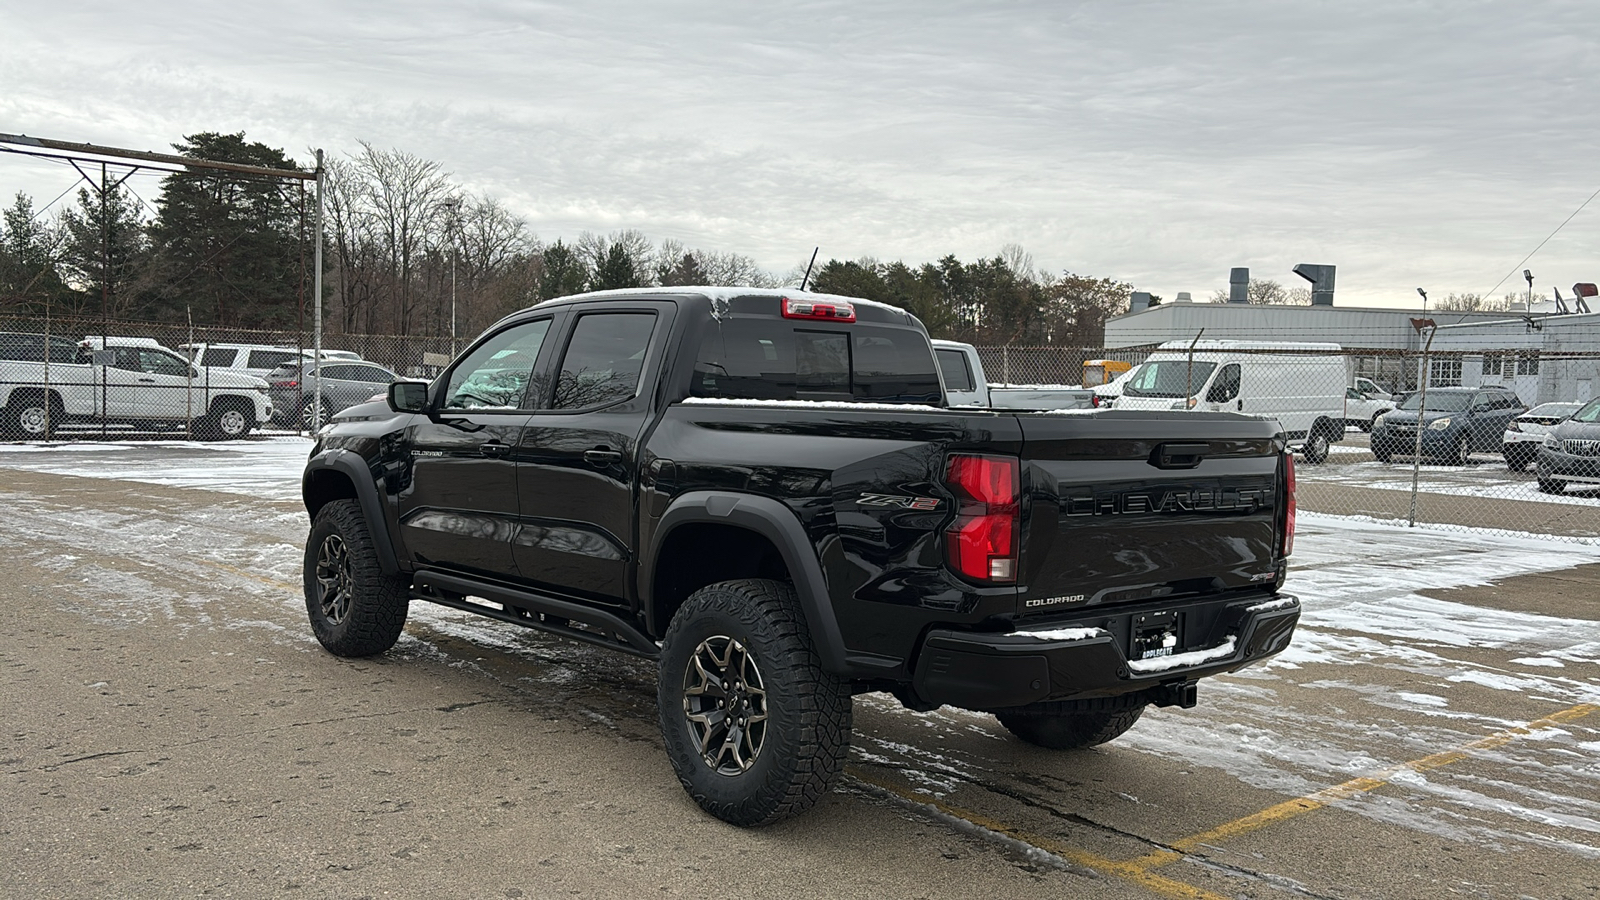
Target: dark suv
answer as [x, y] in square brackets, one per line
[1571, 452]
[1456, 423]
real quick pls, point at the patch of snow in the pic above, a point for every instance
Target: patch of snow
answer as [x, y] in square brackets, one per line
[1182, 660]
[810, 404]
[1064, 634]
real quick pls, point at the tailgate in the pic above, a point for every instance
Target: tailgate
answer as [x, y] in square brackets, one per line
[1135, 506]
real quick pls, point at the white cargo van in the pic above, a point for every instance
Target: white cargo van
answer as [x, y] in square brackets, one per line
[1302, 385]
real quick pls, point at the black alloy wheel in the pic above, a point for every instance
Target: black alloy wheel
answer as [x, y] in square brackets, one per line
[725, 701]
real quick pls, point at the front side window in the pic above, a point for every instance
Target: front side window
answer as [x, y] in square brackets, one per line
[158, 363]
[1169, 378]
[496, 374]
[1226, 387]
[604, 360]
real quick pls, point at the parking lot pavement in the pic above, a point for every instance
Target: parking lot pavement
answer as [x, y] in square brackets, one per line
[1432, 732]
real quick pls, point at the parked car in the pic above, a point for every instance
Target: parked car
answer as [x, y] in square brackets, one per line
[1458, 422]
[1363, 411]
[343, 385]
[966, 385]
[1571, 451]
[763, 493]
[1524, 434]
[254, 359]
[1302, 386]
[125, 381]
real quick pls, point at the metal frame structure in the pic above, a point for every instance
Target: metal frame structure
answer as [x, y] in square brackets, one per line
[135, 160]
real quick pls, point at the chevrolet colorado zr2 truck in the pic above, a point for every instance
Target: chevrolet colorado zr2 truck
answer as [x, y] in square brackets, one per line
[765, 492]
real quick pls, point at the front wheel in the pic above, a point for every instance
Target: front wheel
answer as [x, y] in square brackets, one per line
[1551, 486]
[1463, 452]
[1067, 726]
[1382, 452]
[314, 415]
[754, 727]
[355, 609]
[1516, 460]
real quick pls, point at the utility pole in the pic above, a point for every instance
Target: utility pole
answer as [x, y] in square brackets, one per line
[316, 290]
[454, 206]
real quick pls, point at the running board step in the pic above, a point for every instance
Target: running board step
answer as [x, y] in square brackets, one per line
[594, 626]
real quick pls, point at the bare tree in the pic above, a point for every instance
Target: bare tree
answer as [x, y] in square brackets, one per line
[405, 196]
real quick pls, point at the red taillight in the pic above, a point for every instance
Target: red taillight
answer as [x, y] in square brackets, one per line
[286, 384]
[982, 541]
[812, 309]
[1288, 520]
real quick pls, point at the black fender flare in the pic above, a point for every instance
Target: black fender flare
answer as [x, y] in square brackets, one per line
[777, 523]
[353, 467]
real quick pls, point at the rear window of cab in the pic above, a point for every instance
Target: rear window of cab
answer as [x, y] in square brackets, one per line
[772, 358]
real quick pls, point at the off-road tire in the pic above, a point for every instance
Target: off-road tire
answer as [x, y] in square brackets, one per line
[25, 418]
[1070, 726]
[341, 556]
[805, 733]
[230, 422]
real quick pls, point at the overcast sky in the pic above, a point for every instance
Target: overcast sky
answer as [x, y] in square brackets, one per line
[1429, 144]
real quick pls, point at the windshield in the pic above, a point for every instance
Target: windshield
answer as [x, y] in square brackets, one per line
[1550, 411]
[1590, 413]
[1169, 378]
[1438, 402]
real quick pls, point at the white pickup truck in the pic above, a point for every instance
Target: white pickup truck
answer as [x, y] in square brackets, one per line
[127, 382]
[965, 385]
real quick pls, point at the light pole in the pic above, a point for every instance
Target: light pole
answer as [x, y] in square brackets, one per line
[1528, 274]
[454, 206]
[1424, 299]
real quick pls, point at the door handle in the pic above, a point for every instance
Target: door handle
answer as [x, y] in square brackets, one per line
[602, 456]
[494, 449]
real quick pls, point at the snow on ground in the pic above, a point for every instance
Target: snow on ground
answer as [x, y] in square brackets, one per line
[265, 467]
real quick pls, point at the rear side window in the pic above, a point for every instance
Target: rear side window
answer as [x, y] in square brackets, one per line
[765, 358]
[957, 373]
[604, 360]
[30, 348]
[218, 356]
[269, 359]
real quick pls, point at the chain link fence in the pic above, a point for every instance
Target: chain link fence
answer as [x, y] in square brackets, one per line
[1508, 436]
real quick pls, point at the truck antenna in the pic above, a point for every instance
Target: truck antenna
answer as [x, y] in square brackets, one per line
[808, 267]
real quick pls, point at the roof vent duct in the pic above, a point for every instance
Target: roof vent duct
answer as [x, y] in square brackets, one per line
[1239, 285]
[1321, 278]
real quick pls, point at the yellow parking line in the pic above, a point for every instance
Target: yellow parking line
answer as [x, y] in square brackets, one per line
[1354, 786]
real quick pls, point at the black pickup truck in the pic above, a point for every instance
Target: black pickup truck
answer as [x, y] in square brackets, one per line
[764, 491]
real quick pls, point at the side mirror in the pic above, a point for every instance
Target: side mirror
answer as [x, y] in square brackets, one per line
[409, 396]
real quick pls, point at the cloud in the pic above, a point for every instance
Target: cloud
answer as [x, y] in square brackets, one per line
[1161, 143]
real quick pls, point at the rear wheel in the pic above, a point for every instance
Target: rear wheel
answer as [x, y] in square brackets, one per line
[1316, 447]
[754, 727]
[1551, 486]
[355, 609]
[313, 416]
[1069, 726]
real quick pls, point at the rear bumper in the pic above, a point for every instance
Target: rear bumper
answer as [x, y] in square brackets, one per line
[984, 671]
